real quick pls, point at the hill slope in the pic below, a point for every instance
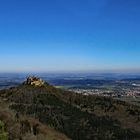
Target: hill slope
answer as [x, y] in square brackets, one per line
[38, 110]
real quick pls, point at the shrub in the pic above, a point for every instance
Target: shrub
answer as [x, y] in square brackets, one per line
[3, 134]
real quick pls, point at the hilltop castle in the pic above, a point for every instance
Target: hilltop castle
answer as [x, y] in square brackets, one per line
[31, 80]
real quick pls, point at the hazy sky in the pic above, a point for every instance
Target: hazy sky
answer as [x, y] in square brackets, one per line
[69, 35]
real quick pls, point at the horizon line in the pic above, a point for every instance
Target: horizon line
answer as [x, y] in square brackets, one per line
[74, 71]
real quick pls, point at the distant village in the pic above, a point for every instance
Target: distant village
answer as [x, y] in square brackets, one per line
[131, 92]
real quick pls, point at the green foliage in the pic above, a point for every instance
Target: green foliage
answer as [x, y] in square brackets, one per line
[79, 117]
[3, 133]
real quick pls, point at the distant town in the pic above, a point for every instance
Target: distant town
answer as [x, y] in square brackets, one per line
[133, 90]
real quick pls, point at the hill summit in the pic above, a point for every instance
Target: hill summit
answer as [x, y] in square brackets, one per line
[35, 81]
[43, 112]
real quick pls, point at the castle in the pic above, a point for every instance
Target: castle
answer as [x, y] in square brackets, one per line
[31, 80]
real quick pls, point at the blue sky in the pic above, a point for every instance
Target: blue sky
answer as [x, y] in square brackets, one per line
[69, 35]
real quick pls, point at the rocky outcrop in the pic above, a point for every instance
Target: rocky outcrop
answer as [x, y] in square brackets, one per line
[31, 80]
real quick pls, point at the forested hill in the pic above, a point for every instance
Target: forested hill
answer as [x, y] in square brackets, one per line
[35, 110]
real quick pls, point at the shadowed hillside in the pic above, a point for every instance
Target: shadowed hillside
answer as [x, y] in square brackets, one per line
[40, 111]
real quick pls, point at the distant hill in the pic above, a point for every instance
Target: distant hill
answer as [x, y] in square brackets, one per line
[42, 112]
